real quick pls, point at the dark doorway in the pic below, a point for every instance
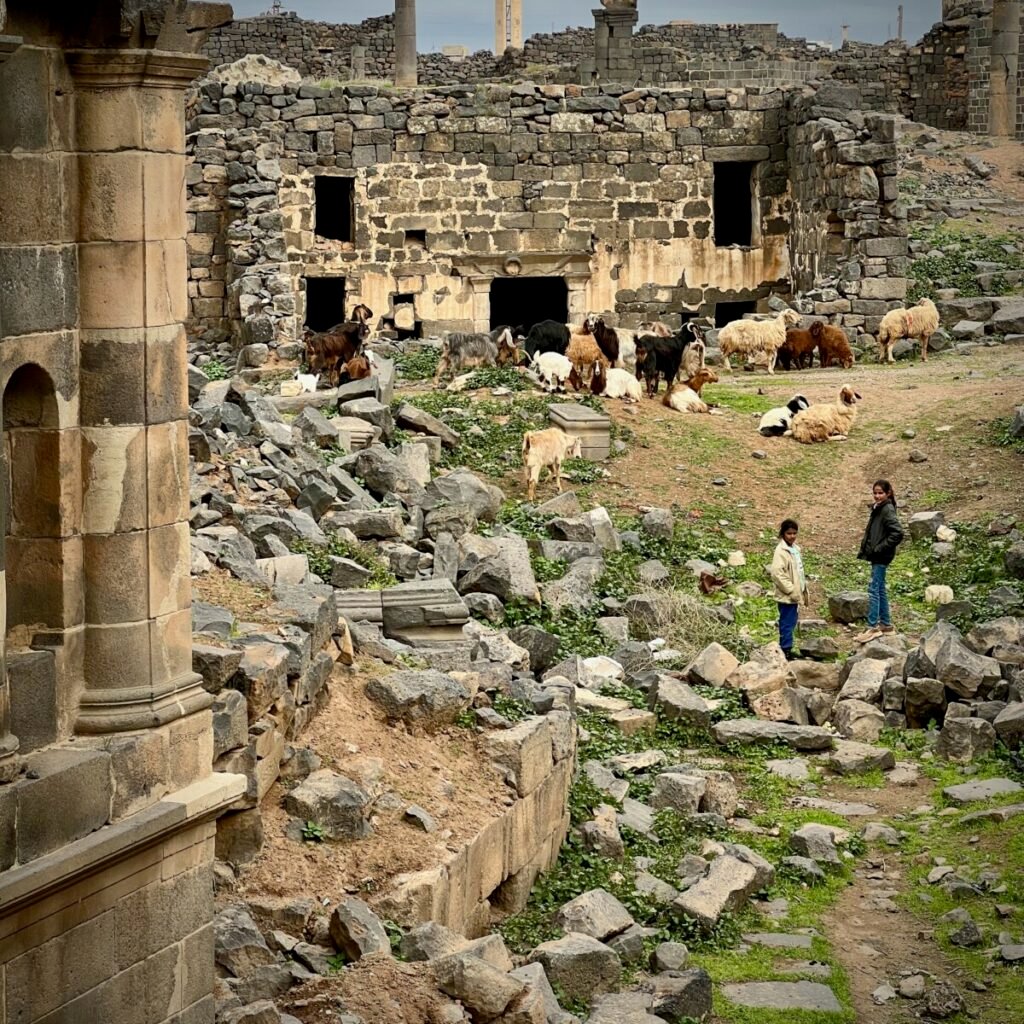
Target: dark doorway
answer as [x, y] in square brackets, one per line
[334, 213]
[734, 203]
[525, 301]
[325, 302]
[726, 312]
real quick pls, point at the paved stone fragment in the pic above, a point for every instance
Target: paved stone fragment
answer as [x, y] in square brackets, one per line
[783, 995]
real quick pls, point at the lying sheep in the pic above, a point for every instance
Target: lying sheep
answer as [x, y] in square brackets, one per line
[775, 422]
[615, 383]
[686, 397]
[547, 448]
[833, 345]
[828, 421]
[753, 338]
[552, 369]
[920, 322]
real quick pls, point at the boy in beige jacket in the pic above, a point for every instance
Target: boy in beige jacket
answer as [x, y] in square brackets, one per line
[787, 573]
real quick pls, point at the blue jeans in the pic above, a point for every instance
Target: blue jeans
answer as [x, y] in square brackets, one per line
[878, 599]
[788, 615]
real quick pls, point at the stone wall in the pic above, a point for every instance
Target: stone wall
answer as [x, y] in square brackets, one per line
[880, 74]
[939, 79]
[849, 237]
[610, 190]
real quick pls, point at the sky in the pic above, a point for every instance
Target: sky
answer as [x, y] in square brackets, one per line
[470, 22]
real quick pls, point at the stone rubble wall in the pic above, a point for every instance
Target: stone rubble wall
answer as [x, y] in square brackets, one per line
[620, 182]
[939, 79]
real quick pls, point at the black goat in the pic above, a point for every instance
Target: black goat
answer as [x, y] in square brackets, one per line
[656, 356]
[547, 336]
[607, 340]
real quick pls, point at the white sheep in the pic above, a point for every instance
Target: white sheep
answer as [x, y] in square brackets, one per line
[775, 422]
[547, 448]
[920, 321]
[752, 338]
[827, 421]
[553, 370]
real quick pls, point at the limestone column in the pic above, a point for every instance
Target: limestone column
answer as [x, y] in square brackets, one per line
[516, 27]
[129, 123]
[508, 25]
[1002, 97]
[405, 42]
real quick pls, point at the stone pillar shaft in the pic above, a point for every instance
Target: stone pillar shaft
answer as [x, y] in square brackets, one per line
[131, 228]
[405, 43]
[1002, 107]
[508, 25]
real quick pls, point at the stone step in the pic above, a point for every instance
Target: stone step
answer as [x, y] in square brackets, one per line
[783, 995]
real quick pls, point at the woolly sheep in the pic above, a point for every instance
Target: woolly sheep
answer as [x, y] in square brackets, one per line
[775, 422]
[920, 322]
[827, 421]
[584, 353]
[752, 338]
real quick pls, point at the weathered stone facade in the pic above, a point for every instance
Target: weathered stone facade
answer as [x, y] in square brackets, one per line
[107, 799]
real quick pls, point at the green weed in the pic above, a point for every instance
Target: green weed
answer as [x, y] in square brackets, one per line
[365, 555]
[216, 370]
[955, 267]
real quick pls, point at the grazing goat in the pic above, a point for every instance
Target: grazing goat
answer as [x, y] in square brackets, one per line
[685, 397]
[607, 340]
[616, 383]
[833, 345]
[752, 338]
[547, 336]
[920, 322]
[656, 355]
[797, 350]
[827, 421]
[552, 369]
[467, 351]
[775, 422]
[333, 348]
[584, 354]
[547, 448]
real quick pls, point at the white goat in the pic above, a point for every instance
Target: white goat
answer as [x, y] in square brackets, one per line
[920, 321]
[827, 421]
[307, 381]
[547, 448]
[693, 359]
[753, 338]
[616, 383]
[553, 370]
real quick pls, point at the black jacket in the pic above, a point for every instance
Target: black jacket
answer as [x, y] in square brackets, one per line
[882, 536]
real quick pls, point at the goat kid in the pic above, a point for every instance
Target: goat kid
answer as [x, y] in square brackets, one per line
[547, 448]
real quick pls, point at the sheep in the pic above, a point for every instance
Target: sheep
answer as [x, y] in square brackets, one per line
[553, 370]
[547, 336]
[833, 345]
[920, 321]
[467, 351]
[775, 422]
[827, 421]
[751, 338]
[798, 349]
[615, 383]
[547, 448]
[584, 353]
[685, 397]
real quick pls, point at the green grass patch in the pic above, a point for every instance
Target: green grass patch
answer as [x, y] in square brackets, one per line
[742, 401]
[365, 555]
[955, 267]
[998, 434]
[420, 364]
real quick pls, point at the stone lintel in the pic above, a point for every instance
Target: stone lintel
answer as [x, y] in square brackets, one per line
[103, 69]
[524, 264]
[182, 810]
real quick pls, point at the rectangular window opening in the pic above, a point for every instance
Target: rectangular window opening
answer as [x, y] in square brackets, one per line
[334, 210]
[403, 320]
[726, 312]
[416, 236]
[734, 203]
[325, 302]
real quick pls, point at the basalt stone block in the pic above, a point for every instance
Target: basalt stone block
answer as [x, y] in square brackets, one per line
[848, 606]
[215, 664]
[428, 699]
[261, 676]
[422, 603]
[337, 804]
[316, 613]
[230, 721]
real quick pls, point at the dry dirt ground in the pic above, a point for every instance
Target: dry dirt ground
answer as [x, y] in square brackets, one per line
[948, 401]
[447, 774]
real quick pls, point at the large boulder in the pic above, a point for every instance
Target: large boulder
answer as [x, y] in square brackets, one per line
[542, 645]
[356, 930]
[1013, 559]
[925, 525]
[506, 572]
[865, 680]
[681, 793]
[857, 720]
[576, 588]
[747, 731]
[462, 488]
[596, 913]
[1009, 725]
[848, 606]
[428, 699]
[239, 946]
[675, 700]
[965, 739]
[579, 966]
[963, 671]
[852, 758]
[485, 990]
[422, 422]
[382, 472]
[339, 806]
[679, 996]
[712, 666]
[730, 881]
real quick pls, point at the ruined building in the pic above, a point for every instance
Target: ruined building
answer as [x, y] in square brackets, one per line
[102, 720]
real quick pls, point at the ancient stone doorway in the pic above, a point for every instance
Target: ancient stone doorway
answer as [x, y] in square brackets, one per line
[325, 302]
[334, 207]
[726, 312]
[734, 203]
[525, 301]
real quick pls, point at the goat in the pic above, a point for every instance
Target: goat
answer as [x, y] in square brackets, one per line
[657, 328]
[775, 422]
[833, 345]
[553, 370]
[362, 313]
[827, 421]
[547, 448]
[616, 383]
[920, 322]
[607, 340]
[331, 349]
[656, 355]
[547, 336]
[693, 359]
[797, 349]
[359, 367]
[584, 354]
[685, 397]
[750, 338]
[307, 381]
[466, 351]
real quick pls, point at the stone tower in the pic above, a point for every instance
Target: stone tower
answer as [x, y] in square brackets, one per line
[508, 25]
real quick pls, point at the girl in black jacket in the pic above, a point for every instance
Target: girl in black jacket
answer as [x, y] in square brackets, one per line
[881, 538]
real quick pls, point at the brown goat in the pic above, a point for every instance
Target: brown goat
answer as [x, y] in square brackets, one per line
[833, 345]
[332, 349]
[357, 368]
[798, 349]
[362, 313]
[584, 353]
